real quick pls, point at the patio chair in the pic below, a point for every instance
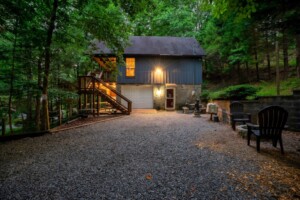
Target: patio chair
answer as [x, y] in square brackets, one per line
[237, 114]
[271, 122]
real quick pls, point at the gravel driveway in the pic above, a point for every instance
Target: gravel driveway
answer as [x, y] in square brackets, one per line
[167, 155]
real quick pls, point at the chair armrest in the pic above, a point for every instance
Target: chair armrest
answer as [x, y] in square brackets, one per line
[252, 126]
[249, 116]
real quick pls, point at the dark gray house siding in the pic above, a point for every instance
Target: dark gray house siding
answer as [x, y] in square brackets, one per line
[178, 80]
[176, 70]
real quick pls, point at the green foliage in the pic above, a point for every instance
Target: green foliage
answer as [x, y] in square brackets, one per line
[24, 32]
[242, 8]
[169, 18]
[250, 92]
[286, 87]
[220, 94]
[109, 17]
[133, 8]
[236, 92]
[240, 92]
[204, 95]
[173, 21]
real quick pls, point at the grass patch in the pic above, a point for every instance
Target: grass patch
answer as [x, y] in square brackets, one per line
[237, 92]
[17, 131]
[252, 91]
[286, 87]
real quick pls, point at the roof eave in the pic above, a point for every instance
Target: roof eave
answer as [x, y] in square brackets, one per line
[162, 55]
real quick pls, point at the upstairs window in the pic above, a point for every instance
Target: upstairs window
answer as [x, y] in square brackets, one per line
[130, 67]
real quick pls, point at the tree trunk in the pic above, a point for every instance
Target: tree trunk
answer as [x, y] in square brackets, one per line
[256, 64]
[12, 77]
[277, 67]
[45, 119]
[285, 54]
[28, 121]
[247, 71]
[269, 65]
[238, 67]
[58, 106]
[298, 54]
[240, 77]
[268, 56]
[38, 98]
[254, 38]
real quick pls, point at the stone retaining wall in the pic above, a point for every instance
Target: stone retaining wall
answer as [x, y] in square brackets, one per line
[290, 103]
[183, 95]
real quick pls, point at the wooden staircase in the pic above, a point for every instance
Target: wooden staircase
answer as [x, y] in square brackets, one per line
[92, 90]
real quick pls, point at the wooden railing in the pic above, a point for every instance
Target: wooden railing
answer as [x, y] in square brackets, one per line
[129, 102]
[91, 84]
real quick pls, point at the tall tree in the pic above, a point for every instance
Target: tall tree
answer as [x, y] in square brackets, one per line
[65, 30]
[45, 102]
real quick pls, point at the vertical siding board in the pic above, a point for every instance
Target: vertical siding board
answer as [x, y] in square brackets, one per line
[175, 70]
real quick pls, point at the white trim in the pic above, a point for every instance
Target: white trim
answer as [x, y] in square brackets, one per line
[141, 96]
[170, 98]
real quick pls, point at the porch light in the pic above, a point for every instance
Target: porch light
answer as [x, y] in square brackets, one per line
[158, 71]
[158, 92]
[158, 75]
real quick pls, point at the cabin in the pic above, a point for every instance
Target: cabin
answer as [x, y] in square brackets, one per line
[158, 72]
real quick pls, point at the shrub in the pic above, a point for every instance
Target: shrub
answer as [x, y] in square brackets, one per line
[240, 92]
[237, 92]
[218, 95]
[204, 96]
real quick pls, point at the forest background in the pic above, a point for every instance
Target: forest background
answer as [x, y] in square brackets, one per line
[44, 47]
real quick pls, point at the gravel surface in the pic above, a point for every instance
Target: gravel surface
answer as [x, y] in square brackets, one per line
[79, 122]
[167, 155]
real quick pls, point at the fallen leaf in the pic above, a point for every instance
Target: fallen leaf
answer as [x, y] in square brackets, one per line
[148, 176]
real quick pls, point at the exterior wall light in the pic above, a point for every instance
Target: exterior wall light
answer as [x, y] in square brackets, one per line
[158, 75]
[158, 92]
[158, 71]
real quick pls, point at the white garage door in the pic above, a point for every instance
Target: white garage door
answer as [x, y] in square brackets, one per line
[141, 96]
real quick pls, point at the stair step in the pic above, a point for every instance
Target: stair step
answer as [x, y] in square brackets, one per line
[92, 81]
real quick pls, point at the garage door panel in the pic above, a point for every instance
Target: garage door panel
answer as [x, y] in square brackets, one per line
[141, 96]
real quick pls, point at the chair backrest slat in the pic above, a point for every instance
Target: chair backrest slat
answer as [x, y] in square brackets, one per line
[272, 120]
[236, 107]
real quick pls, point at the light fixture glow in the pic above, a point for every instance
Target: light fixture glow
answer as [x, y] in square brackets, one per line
[158, 92]
[158, 70]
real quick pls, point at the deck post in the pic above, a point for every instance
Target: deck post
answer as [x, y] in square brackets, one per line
[79, 102]
[90, 101]
[59, 112]
[93, 97]
[85, 101]
[129, 107]
[98, 104]
[79, 84]
[84, 83]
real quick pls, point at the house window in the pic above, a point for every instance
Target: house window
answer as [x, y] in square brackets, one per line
[130, 67]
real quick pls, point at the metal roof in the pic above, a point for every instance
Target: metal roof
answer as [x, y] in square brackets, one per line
[156, 45]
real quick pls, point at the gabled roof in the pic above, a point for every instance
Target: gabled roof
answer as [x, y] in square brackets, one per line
[156, 45]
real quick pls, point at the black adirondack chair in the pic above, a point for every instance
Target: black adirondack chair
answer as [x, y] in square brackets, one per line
[271, 122]
[237, 114]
